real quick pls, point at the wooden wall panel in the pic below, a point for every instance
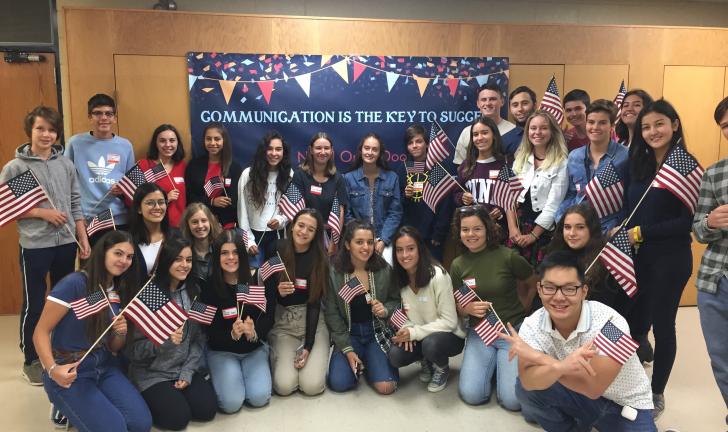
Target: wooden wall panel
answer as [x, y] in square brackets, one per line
[536, 77]
[23, 86]
[159, 85]
[695, 91]
[600, 81]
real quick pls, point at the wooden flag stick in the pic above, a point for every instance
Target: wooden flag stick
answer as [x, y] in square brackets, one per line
[499, 320]
[453, 178]
[113, 222]
[284, 267]
[448, 138]
[168, 176]
[103, 198]
[103, 291]
[56, 209]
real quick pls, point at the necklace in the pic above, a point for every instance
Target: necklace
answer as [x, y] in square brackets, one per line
[538, 158]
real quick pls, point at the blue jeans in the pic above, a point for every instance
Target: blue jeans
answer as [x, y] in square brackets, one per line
[713, 320]
[376, 363]
[560, 409]
[101, 398]
[476, 373]
[238, 378]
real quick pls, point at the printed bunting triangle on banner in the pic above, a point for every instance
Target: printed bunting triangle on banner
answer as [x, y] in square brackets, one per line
[481, 79]
[227, 88]
[358, 69]
[325, 59]
[391, 80]
[452, 83]
[305, 82]
[342, 70]
[422, 84]
[191, 80]
[266, 87]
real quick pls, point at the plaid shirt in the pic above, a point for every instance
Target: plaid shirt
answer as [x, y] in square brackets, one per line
[713, 193]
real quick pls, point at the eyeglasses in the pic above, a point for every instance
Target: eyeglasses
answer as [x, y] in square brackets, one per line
[103, 113]
[567, 290]
[155, 203]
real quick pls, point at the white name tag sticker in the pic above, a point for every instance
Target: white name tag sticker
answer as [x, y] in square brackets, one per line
[368, 297]
[470, 282]
[230, 313]
[113, 158]
[419, 186]
[113, 297]
[493, 173]
[300, 283]
[179, 179]
[316, 190]
[228, 182]
[423, 299]
[578, 188]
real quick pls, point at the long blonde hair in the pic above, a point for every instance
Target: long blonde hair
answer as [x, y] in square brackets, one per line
[556, 151]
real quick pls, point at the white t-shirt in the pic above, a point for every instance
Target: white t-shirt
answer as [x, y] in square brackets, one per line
[150, 252]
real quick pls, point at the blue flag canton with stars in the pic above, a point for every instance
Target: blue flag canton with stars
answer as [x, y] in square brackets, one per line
[437, 173]
[243, 289]
[22, 184]
[491, 317]
[95, 297]
[621, 241]
[608, 176]
[681, 161]
[294, 194]
[435, 130]
[198, 307]
[552, 87]
[153, 297]
[136, 175]
[505, 174]
[611, 332]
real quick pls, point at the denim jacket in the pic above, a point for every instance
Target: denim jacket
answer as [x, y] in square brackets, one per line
[581, 173]
[386, 208]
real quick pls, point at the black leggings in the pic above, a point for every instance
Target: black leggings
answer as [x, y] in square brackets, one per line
[437, 348]
[173, 409]
[661, 278]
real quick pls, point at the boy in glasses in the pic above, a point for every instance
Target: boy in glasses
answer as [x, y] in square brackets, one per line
[565, 382]
[101, 158]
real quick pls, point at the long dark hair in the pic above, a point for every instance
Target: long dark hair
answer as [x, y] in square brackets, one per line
[168, 253]
[342, 260]
[425, 269]
[492, 230]
[471, 159]
[258, 178]
[642, 160]
[153, 151]
[218, 282]
[381, 160]
[137, 227]
[621, 129]
[226, 155]
[126, 284]
[319, 282]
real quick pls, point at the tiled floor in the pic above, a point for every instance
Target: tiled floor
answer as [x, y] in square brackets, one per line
[693, 401]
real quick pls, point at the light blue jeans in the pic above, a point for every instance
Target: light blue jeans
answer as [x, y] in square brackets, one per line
[714, 321]
[476, 373]
[239, 378]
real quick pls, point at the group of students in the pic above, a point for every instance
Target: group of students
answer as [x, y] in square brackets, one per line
[201, 248]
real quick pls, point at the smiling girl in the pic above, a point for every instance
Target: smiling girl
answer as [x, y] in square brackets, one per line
[200, 227]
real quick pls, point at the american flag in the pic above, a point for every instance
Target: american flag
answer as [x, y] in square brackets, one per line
[398, 319]
[201, 312]
[506, 188]
[271, 267]
[101, 221]
[18, 195]
[437, 151]
[680, 174]
[214, 187]
[551, 102]
[155, 173]
[131, 181]
[615, 343]
[438, 185]
[291, 202]
[251, 294]
[605, 191]
[620, 98]
[156, 315]
[334, 222]
[414, 167]
[246, 239]
[351, 289]
[489, 327]
[89, 305]
[464, 295]
[618, 258]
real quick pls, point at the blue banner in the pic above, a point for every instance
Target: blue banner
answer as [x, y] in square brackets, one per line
[344, 96]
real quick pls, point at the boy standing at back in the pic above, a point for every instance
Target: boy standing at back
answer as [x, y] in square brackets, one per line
[575, 103]
[101, 159]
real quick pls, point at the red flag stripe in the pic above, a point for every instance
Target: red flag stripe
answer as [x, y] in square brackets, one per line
[16, 207]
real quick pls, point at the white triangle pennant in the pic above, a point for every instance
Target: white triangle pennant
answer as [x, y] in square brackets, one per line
[391, 80]
[305, 82]
[191, 79]
[482, 79]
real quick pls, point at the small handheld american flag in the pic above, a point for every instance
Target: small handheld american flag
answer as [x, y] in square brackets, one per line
[101, 221]
[398, 319]
[18, 195]
[464, 295]
[133, 178]
[437, 186]
[351, 289]
[551, 102]
[291, 202]
[155, 173]
[156, 315]
[89, 305]
[605, 191]
[334, 222]
[414, 167]
[201, 312]
[618, 258]
[681, 175]
[489, 327]
[615, 343]
[271, 267]
[437, 150]
[619, 99]
[251, 294]
[214, 187]
[506, 188]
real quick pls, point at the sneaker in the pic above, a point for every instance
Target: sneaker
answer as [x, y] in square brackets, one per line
[59, 420]
[33, 373]
[645, 352]
[439, 379]
[425, 371]
[659, 401]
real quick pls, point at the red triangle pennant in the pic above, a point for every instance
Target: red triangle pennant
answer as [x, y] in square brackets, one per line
[358, 69]
[266, 87]
[453, 84]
